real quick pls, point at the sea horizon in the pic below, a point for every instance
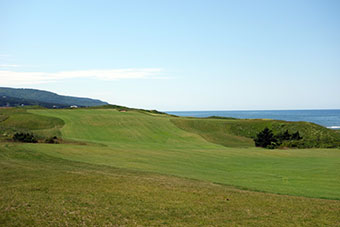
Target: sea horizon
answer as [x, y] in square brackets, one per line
[329, 118]
[248, 110]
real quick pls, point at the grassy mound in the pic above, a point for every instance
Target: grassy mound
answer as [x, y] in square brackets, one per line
[19, 120]
[131, 128]
[313, 135]
[214, 130]
[233, 133]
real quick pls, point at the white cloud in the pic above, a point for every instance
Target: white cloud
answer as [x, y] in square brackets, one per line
[9, 66]
[13, 78]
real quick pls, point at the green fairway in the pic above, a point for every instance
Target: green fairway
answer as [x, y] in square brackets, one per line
[40, 190]
[141, 141]
[123, 168]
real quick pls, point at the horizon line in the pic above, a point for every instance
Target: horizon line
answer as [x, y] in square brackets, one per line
[249, 110]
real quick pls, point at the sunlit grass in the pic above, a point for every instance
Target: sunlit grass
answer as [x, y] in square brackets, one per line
[40, 190]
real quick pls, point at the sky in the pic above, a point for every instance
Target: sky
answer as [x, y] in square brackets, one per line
[174, 55]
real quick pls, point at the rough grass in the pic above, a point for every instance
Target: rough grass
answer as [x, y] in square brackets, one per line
[40, 190]
[214, 130]
[234, 133]
[313, 135]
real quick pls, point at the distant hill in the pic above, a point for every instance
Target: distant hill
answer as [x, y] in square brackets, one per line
[6, 101]
[15, 96]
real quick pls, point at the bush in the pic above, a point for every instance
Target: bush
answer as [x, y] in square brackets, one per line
[284, 136]
[267, 139]
[296, 136]
[53, 139]
[24, 137]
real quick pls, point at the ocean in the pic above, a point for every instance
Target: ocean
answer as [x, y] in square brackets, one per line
[327, 118]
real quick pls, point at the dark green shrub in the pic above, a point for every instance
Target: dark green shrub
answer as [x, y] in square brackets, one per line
[266, 139]
[296, 136]
[284, 136]
[24, 137]
[53, 139]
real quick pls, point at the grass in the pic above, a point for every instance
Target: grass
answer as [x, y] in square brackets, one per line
[126, 166]
[40, 190]
[18, 119]
[235, 132]
[138, 141]
[214, 130]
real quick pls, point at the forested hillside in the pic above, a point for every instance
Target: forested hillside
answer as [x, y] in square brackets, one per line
[39, 96]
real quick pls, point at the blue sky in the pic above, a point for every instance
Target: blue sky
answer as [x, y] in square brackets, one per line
[176, 55]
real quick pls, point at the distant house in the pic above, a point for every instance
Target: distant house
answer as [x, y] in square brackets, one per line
[74, 106]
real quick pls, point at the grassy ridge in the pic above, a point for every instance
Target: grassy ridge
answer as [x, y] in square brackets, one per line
[19, 120]
[313, 135]
[233, 133]
[139, 141]
[40, 190]
[131, 129]
[214, 130]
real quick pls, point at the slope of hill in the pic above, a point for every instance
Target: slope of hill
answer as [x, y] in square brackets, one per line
[242, 131]
[40, 96]
[15, 102]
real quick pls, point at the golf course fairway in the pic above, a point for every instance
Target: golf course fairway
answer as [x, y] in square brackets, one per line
[124, 163]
